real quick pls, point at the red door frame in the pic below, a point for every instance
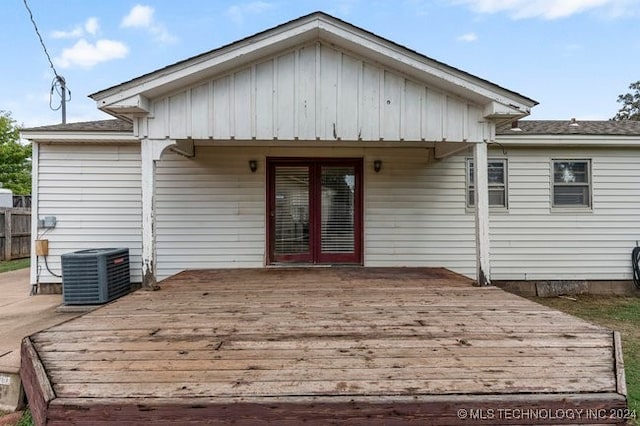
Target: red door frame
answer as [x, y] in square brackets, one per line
[315, 188]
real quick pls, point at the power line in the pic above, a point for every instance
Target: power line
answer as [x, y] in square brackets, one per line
[35, 26]
[59, 84]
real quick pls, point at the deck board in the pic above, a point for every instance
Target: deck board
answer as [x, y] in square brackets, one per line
[287, 335]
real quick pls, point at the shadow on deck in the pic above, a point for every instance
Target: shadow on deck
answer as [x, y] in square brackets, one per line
[324, 345]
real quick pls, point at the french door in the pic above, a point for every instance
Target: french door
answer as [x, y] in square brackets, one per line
[315, 211]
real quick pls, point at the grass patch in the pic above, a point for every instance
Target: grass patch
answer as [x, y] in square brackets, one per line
[26, 419]
[13, 265]
[617, 313]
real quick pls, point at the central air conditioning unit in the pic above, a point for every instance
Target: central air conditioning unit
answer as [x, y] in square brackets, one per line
[95, 276]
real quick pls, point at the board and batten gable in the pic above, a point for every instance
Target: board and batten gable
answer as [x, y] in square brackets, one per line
[314, 92]
[93, 190]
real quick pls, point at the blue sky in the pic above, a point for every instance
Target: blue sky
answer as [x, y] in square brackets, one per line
[572, 56]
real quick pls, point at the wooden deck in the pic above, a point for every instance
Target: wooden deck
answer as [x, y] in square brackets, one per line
[324, 346]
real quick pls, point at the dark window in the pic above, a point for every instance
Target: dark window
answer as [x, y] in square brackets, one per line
[571, 183]
[497, 176]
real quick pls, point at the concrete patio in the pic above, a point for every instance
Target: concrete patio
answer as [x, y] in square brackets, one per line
[20, 316]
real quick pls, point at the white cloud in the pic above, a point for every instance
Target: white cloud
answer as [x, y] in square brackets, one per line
[468, 37]
[86, 55]
[91, 26]
[549, 9]
[238, 12]
[162, 35]
[77, 32]
[141, 16]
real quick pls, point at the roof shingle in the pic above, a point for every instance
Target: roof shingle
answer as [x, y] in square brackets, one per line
[572, 127]
[115, 125]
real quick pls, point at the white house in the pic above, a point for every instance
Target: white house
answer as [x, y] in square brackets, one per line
[317, 142]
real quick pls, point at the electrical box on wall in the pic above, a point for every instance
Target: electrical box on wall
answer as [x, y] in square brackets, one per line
[42, 247]
[49, 222]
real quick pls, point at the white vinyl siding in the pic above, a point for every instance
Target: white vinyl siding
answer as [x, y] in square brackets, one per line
[535, 241]
[211, 209]
[211, 213]
[415, 212]
[94, 193]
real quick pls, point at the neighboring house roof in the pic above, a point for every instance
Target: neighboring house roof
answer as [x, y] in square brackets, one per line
[571, 127]
[113, 125]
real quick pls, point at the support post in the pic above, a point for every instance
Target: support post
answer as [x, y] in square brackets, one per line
[8, 234]
[151, 151]
[481, 181]
[35, 213]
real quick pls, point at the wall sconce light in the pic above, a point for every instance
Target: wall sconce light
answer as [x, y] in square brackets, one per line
[377, 166]
[253, 166]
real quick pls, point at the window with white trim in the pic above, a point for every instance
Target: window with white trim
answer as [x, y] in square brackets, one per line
[497, 174]
[571, 183]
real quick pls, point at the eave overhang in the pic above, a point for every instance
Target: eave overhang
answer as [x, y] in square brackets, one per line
[134, 106]
[583, 141]
[78, 137]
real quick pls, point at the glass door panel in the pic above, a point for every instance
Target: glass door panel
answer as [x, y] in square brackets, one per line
[291, 213]
[337, 213]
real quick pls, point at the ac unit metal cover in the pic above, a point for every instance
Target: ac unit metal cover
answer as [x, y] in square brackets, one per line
[95, 276]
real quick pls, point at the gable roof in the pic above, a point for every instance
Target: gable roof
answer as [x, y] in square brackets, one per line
[132, 97]
[571, 127]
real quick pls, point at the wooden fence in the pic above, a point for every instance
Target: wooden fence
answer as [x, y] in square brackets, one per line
[22, 201]
[15, 233]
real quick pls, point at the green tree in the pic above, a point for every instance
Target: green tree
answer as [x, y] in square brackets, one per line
[630, 109]
[15, 158]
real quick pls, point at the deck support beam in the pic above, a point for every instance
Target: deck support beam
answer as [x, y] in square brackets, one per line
[481, 181]
[151, 150]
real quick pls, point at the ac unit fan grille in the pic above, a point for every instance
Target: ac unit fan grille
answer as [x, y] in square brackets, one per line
[118, 276]
[95, 276]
